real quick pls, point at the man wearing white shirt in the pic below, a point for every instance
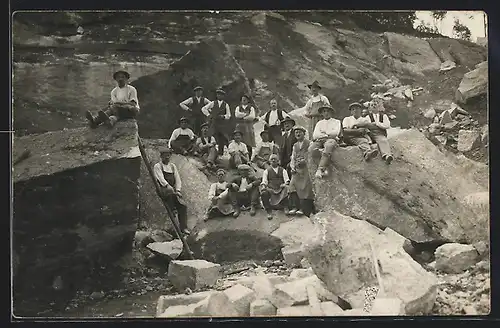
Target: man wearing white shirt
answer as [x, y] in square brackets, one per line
[274, 187]
[182, 139]
[378, 123]
[193, 105]
[219, 117]
[355, 135]
[272, 120]
[326, 135]
[312, 106]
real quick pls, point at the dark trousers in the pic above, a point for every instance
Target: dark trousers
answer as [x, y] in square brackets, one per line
[173, 203]
[275, 134]
[247, 198]
[265, 195]
[181, 145]
[222, 141]
[121, 112]
[305, 205]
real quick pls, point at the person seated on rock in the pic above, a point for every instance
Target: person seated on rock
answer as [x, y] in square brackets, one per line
[206, 147]
[245, 119]
[272, 121]
[183, 139]
[313, 105]
[301, 193]
[238, 151]
[274, 187]
[221, 204]
[168, 177]
[355, 135]
[377, 123]
[193, 105]
[288, 140]
[326, 135]
[221, 120]
[123, 105]
[244, 191]
[264, 150]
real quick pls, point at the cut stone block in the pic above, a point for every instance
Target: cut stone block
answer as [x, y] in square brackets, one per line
[178, 311]
[301, 273]
[455, 258]
[295, 293]
[386, 306]
[262, 308]
[166, 301]
[293, 255]
[217, 304]
[294, 311]
[193, 274]
[241, 297]
[330, 309]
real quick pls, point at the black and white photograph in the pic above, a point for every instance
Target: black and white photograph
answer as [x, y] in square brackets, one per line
[222, 164]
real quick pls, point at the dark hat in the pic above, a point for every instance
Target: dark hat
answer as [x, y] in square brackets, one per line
[288, 119]
[314, 84]
[165, 150]
[246, 96]
[121, 72]
[244, 167]
[237, 131]
[220, 91]
[265, 131]
[197, 88]
[204, 125]
[301, 128]
[183, 119]
[220, 170]
[323, 108]
[355, 104]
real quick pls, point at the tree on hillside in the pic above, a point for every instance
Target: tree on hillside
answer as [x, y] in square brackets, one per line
[438, 16]
[461, 31]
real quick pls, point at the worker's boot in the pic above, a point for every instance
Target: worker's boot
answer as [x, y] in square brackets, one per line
[112, 121]
[323, 162]
[91, 119]
[253, 210]
[103, 117]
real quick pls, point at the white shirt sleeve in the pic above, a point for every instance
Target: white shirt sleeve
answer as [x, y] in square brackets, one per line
[251, 116]
[319, 131]
[386, 123]
[174, 136]
[207, 108]
[178, 182]
[158, 172]
[285, 177]
[292, 158]
[264, 178]
[186, 103]
[211, 192]
[113, 96]
[133, 95]
[228, 112]
[232, 147]
[347, 123]
[325, 99]
[238, 113]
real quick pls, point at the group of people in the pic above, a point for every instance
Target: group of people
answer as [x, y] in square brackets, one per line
[282, 153]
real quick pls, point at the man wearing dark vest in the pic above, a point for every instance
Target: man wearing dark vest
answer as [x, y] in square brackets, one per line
[377, 123]
[272, 120]
[193, 105]
[220, 120]
[287, 143]
[205, 147]
[274, 187]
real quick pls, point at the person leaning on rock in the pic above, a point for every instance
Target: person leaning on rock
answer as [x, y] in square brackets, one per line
[206, 147]
[220, 120]
[272, 121]
[274, 187]
[183, 139]
[221, 204]
[244, 190]
[288, 140]
[193, 105]
[355, 135]
[326, 135]
[238, 151]
[313, 105]
[168, 177]
[264, 150]
[123, 105]
[377, 123]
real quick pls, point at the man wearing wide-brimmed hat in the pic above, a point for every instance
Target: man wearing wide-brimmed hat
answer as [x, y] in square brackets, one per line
[183, 138]
[355, 134]
[124, 103]
[312, 106]
[193, 106]
[238, 151]
[221, 203]
[272, 121]
[206, 147]
[326, 135]
[264, 150]
[245, 119]
[221, 120]
[287, 143]
[244, 190]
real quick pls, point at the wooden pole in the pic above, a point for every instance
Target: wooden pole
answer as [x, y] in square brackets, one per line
[186, 250]
[377, 272]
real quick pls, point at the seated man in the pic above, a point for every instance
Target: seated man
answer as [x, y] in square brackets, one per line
[238, 151]
[377, 123]
[264, 150]
[274, 187]
[123, 105]
[168, 177]
[244, 191]
[219, 196]
[326, 135]
[183, 138]
[355, 135]
[206, 147]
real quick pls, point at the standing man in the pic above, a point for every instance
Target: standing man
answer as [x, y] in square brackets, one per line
[326, 135]
[272, 121]
[287, 143]
[274, 187]
[220, 120]
[193, 105]
[355, 135]
[313, 105]
[378, 123]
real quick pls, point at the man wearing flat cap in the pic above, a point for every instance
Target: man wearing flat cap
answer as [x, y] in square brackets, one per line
[264, 150]
[221, 120]
[355, 134]
[123, 105]
[206, 147]
[193, 106]
[326, 135]
[238, 151]
[272, 121]
[183, 138]
[312, 106]
[244, 190]
[221, 203]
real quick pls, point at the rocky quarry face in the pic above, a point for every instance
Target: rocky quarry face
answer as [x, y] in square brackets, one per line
[424, 219]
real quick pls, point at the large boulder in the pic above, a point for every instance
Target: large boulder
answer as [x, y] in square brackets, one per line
[76, 204]
[209, 64]
[195, 186]
[417, 196]
[341, 256]
[461, 52]
[473, 84]
[413, 51]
